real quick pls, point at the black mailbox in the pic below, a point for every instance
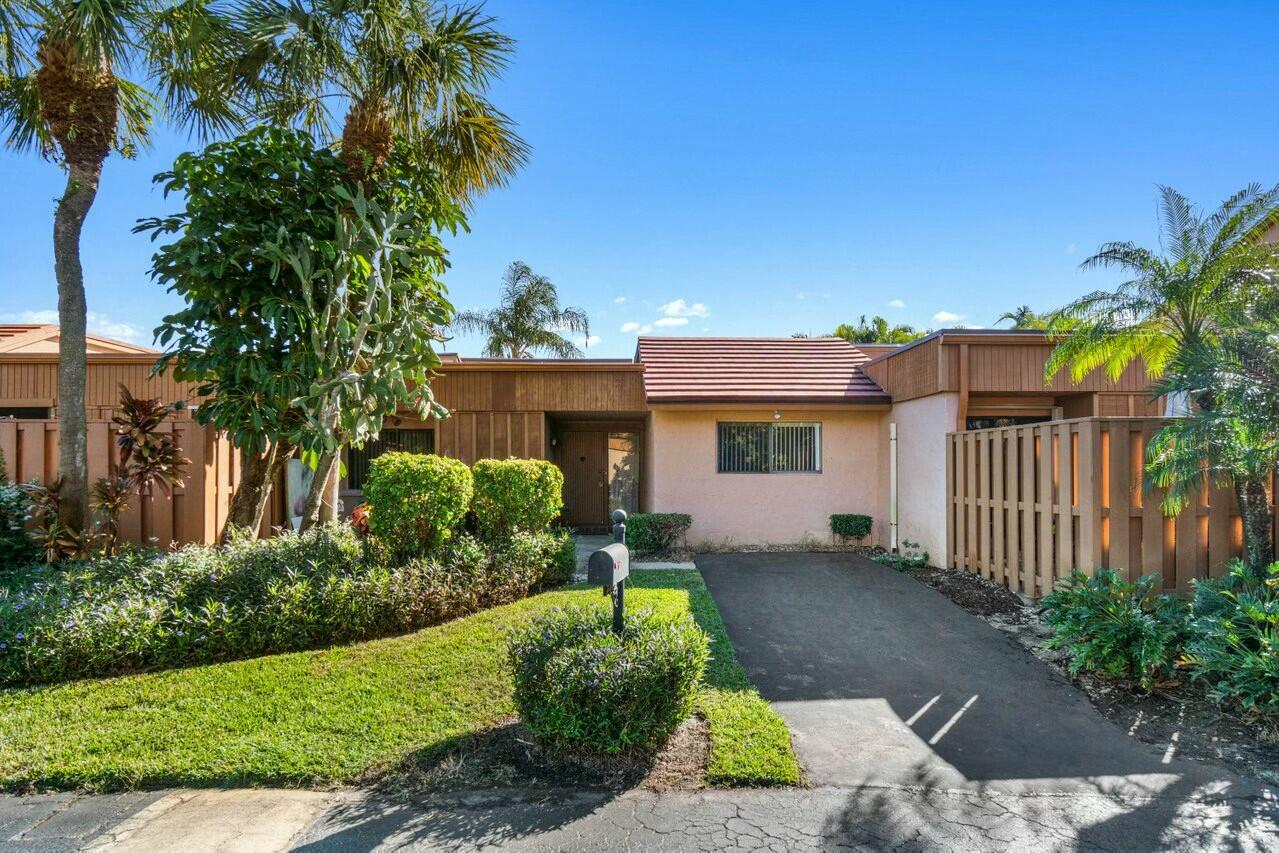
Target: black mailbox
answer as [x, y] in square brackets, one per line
[609, 566]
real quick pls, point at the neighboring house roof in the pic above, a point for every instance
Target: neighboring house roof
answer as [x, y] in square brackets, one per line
[43, 338]
[755, 370]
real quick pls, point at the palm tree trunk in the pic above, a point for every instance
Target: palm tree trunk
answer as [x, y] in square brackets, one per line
[73, 438]
[316, 510]
[1254, 511]
[258, 475]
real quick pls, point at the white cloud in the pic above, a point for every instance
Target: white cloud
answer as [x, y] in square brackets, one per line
[947, 317]
[1071, 248]
[680, 308]
[591, 341]
[636, 328]
[98, 323]
[671, 321]
[619, 300]
[801, 295]
[896, 303]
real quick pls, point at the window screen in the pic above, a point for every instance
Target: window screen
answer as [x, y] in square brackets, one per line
[769, 448]
[405, 440]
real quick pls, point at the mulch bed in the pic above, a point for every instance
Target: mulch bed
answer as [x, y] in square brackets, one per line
[1204, 731]
[508, 756]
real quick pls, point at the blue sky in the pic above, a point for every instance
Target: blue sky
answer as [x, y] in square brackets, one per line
[762, 169]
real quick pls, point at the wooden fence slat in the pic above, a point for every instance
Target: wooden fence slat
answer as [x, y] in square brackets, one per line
[1026, 500]
[1220, 550]
[1088, 486]
[1152, 519]
[951, 509]
[997, 542]
[1120, 556]
[1065, 500]
[970, 491]
[983, 500]
[1012, 519]
[1044, 492]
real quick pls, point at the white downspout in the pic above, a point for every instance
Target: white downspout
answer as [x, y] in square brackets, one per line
[892, 487]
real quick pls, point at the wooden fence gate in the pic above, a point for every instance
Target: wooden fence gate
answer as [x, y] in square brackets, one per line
[1027, 504]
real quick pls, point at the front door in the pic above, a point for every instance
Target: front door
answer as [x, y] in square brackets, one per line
[584, 460]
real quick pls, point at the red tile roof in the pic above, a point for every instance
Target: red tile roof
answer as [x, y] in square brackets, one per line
[755, 370]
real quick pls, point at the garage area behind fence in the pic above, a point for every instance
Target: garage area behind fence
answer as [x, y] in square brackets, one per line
[1026, 504]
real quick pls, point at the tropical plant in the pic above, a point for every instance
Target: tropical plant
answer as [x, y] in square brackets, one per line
[411, 72]
[1116, 627]
[1234, 642]
[1199, 315]
[1022, 317]
[528, 321]
[1179, 297]
[877, 331]
[61, 97]
[16, 547]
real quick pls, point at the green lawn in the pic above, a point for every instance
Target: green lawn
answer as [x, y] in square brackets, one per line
[345, 714]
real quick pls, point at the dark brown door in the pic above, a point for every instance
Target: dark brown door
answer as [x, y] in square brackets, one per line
[584, 459]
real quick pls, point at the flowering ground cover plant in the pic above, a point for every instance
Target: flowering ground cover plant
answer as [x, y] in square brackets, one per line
[145, 610]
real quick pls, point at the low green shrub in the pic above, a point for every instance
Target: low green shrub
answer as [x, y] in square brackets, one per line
[516, 494]
[146, 610]
[657, 534]
[583, 688]
[1234, 637]
[415, 500]
[850, 526]
[909, 556]
[16, 547]
[1115, 627]
[564, 562]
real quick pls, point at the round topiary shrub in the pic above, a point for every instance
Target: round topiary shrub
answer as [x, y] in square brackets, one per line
[580, 687]
[516, 494]
[416, 500]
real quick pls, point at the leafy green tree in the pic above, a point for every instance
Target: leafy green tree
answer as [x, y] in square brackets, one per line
[372, 320]
[877, 331]
[61, 97]
[408, 71]
[244, 336]
[529, 319]
[1022, 317]
[1195, 314]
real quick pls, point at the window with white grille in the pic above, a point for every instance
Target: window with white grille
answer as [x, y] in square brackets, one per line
[769, 447]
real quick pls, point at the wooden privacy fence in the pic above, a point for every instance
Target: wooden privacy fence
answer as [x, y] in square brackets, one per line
[1027, 504]
[197, 509]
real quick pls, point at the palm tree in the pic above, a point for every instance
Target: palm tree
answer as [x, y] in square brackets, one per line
[62, 98]
[1178, 297]
[402, 70]
[1179, 313]
[529, 319]
[1023, 318]
[877, 331]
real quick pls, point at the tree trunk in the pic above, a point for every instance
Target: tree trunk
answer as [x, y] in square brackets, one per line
[1254, 511]
[314, 511]
[73, 438]
[258, 475]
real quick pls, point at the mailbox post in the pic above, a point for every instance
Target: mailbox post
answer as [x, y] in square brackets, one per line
[609, 567]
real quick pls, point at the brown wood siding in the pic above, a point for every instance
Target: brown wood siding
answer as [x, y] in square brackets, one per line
[993, 367]
[38, 380]
[470, 436]
[1028, 504]
[601, 390]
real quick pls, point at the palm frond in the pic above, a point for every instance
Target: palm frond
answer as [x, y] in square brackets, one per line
[20, 118]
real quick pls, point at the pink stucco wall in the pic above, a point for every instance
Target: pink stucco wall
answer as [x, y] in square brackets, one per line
[768, 508]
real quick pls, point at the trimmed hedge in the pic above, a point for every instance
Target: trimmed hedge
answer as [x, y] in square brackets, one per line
[516, 494]
[415, 500]
[146, 610]
[657, 533]
[850, 525]
[580, 686]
